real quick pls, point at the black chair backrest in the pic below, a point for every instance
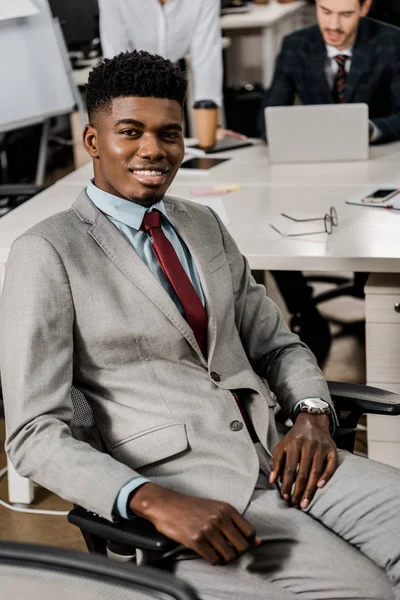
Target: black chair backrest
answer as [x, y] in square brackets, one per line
[84, 426]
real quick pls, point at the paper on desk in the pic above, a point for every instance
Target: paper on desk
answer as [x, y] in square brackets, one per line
[214, 202]
[13, 9]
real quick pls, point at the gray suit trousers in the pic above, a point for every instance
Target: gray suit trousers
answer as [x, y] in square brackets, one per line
[345, 546]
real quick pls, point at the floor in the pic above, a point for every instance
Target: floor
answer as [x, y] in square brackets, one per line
[37, 529]
[346, 363]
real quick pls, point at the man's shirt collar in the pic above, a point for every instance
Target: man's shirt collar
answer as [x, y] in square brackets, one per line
[332, 51]
[122, 210]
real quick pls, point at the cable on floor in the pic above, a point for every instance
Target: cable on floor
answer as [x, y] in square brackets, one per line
[32, 511]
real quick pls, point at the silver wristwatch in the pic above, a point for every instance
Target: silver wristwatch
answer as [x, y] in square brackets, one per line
[315, 406]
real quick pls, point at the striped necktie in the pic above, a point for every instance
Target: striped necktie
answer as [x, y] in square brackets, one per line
[340, 79]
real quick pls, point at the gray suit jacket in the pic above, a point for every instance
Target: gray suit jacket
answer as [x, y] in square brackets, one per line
[80, 307]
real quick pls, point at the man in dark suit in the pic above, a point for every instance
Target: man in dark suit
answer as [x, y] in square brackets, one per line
[346, 58]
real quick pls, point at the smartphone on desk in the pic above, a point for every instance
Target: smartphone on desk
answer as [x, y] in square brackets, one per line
[381, 196]
[201, 164]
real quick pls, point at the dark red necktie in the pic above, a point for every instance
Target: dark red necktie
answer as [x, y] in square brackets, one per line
[340, 79]
[194, 310]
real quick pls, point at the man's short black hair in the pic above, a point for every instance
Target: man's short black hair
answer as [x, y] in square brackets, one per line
[136, 73]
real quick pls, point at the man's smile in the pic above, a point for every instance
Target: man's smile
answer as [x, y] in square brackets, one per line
[150, 176]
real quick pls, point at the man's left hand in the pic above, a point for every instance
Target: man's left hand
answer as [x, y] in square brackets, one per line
[227, 133]
[306, 458]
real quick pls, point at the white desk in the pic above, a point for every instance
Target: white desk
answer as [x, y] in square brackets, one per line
[273, 21]
[367, 239]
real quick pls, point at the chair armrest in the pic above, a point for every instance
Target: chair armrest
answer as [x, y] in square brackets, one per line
[364, 399]
[136, 533]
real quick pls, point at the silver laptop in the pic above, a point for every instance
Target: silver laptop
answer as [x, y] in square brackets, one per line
[317, 133]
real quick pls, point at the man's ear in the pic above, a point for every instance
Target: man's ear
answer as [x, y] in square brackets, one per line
[366, 7]
[90, 141]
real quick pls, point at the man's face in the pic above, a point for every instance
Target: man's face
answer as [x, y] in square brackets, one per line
[339, 20]
[137, 147]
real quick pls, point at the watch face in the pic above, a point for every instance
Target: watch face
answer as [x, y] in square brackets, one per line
[315, 406]
[316, 403]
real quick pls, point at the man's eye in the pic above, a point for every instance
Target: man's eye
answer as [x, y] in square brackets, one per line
[172, 135]
[129, 132]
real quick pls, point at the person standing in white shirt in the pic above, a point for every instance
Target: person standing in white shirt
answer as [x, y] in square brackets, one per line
[173, 29]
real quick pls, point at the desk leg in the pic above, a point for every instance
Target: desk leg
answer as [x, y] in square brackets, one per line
[20, 489]
[268, 41]
[285, 27]
[271, 44]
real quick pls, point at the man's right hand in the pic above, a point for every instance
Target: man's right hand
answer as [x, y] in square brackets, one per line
[213, 529]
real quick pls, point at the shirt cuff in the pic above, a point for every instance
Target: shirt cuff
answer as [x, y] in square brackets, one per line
[121, 508]
[376, 132]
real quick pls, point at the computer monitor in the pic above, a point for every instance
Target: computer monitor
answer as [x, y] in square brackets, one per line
[79, 21]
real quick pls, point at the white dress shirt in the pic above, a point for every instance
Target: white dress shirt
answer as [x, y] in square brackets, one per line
[173, 30]
[332, 68]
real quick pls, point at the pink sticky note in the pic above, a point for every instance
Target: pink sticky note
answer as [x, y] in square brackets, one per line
[206, 191]
[220, 190]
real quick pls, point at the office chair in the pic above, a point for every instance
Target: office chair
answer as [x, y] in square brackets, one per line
[350, 400]
[31, 572]
[341, 286]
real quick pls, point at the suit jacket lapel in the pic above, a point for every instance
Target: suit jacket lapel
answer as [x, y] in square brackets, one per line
[110, 240]
[360, 62]
[317, 80]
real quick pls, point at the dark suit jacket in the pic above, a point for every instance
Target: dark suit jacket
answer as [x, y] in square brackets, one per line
[374, 76]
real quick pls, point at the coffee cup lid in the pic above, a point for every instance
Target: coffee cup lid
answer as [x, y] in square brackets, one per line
[205, 104]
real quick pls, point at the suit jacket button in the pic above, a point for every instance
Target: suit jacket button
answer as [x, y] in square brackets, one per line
[236, 425]
[215, 376]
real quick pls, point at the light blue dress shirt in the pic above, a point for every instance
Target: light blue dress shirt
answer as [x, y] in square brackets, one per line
[127, 217]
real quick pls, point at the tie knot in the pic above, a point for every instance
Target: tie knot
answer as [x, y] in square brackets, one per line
[341, 59]
[151, 220]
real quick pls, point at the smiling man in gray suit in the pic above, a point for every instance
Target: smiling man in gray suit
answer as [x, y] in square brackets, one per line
[144, 302]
